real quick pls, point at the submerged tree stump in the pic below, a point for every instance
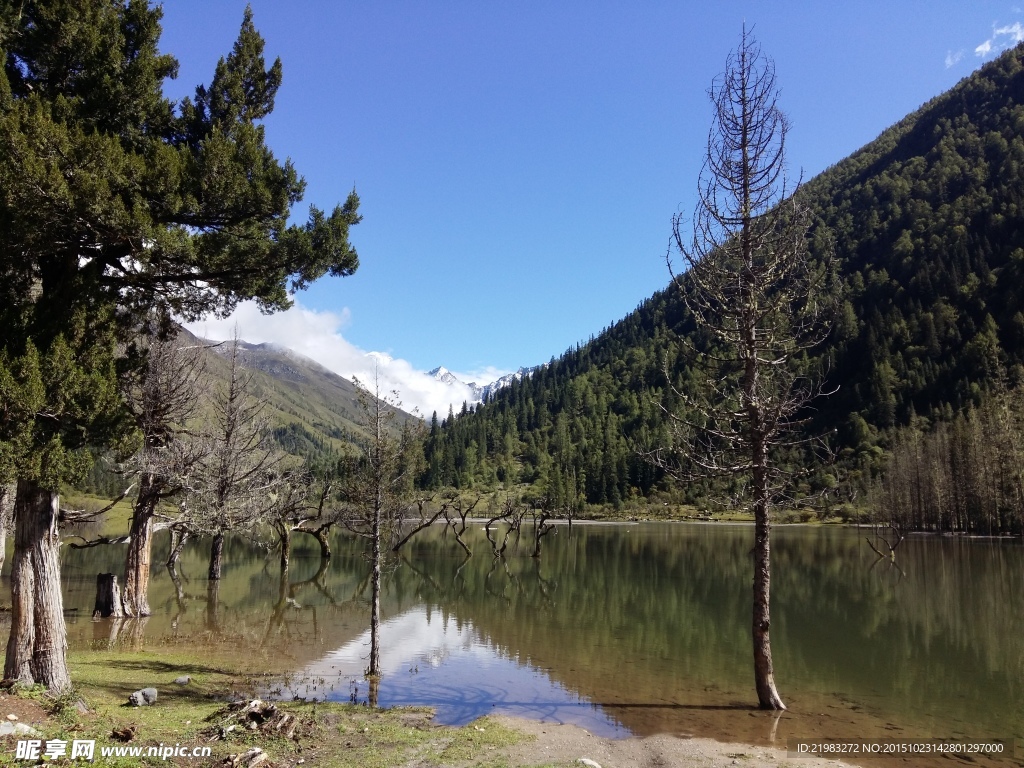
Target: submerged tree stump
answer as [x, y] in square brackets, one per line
[108, 597]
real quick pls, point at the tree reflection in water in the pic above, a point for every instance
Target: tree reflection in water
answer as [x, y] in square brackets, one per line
[649, 621]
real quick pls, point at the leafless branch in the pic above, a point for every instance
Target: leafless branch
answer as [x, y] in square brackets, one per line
[81, 516]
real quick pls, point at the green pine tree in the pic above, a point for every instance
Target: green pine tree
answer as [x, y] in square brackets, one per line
[113, 201]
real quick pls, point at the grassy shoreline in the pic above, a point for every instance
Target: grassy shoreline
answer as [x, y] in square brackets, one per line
[332, 735]
[195, 715]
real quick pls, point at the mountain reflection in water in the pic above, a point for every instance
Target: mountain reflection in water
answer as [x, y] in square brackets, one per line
[436, 661]
[642, 628]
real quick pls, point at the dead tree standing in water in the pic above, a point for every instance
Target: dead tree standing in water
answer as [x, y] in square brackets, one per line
[162, 397]
[376, 487]
[758, 301]
[233, 487]
[510, 512]
[240, 471]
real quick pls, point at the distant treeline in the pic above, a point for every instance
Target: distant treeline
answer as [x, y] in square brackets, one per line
[961, 476]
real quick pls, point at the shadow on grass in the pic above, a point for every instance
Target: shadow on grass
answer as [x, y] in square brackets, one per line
[159, 667]
[118, 678]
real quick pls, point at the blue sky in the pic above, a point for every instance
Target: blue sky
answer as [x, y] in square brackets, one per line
[519, 162]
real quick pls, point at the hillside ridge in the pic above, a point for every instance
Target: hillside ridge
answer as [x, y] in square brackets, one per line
[927, 226]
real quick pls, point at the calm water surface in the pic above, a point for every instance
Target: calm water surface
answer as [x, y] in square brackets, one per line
[624, 629]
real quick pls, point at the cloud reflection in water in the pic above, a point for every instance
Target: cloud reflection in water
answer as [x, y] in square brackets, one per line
[433, 660]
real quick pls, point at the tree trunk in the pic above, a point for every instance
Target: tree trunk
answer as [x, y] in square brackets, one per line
[18, 662]
[140, 549]
[7, 493]
[179, 590]
[178, 538]
[285, 534]
[374, 668]
[764, 673]
[757, 435]
[108, 597]
[37, 648]
[541, 529]
[323, 537]
[213, 605]
[216, 554]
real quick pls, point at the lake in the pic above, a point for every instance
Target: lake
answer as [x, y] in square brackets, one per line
[624, 629]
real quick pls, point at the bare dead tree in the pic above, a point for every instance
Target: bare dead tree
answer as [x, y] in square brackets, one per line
[290, 510]
[758, 301]
[426, 516]
[452, 508]
[323, 486]
[163, 398]
[180, 534]
[234, 486]
[891, 540]
[509, 513]
[305, 504]
[376, 488]
[541, 526]
[459, 510]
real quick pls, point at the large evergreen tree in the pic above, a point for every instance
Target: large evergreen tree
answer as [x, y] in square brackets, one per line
[115, 201]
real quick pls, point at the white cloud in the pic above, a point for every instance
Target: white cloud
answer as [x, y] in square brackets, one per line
[318, 335]
[953, 57]
[1002, 38]
[1014, 31]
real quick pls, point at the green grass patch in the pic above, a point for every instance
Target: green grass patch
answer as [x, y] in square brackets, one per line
[478, 740]
[193, 715]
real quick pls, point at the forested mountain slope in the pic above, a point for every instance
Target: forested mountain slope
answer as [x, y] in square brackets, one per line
[927, 227]
[313, 412]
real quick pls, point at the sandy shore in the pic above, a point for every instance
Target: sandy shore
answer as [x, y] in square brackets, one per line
[570, 744]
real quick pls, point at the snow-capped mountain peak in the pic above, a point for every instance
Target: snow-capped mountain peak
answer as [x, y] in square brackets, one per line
[445, 376]
[480, 392]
